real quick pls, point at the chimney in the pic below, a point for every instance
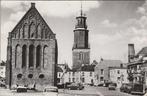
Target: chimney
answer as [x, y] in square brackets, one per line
[131, 52]
[32, 4]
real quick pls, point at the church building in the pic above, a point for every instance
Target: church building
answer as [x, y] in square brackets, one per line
[81, 48]
[31, 53]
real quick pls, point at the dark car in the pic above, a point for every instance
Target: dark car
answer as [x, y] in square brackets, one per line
[137, 88]
[101, 84]
[126, 87]
[75, 86]
[112, 86]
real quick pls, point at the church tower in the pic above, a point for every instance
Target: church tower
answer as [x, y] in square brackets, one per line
[81, 48]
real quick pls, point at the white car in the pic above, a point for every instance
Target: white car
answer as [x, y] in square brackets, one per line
[51, 91]
[21, 89]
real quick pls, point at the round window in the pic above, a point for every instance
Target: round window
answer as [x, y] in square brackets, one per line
[19, 76]
[30, 75]
[41, 76]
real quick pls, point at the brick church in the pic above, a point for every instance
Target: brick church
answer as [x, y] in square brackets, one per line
[31, 53]
[81, 48]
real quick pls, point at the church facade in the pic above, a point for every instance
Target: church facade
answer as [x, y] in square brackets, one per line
[81, 48]
[31, 53]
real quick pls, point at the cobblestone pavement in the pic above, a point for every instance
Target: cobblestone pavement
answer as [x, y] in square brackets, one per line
[87, 91]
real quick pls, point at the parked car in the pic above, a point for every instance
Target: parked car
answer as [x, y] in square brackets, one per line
[126, 87]
[112, 86]
[137, 89]
[50, 91]
[21, 89]
[60, 85]
[101, 84]
[106, 84]
[75, 86]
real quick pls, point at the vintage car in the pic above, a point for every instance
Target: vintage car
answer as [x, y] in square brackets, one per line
[50, 91]
[21, 88]
[126, 87]
[112, 86]
[75, 86]
[137, 89]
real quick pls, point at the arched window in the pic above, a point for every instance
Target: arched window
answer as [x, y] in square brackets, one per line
[32, 30]
[45, 56]
[17, 56]
[38, 56]
[42, 33]
[46, 33]
[25, 31]
[39, 30]
[24, 56]
[31, 56]
[80, 56]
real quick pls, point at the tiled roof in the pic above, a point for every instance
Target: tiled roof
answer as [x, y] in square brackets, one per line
[59, 69]
[109, 63]
[143, 51]
[87, 68]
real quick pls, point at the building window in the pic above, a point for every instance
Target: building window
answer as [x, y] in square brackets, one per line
[30, 76]
[17, 56]
[41, 76]
[90, 74]
[102, 71]
[101, 78]
[19, 76]
[38, 56]
[31, 56]
[118, 78]
[69, 80]
[118, 71]
[83, 80]
[81, 56]
[24, 55]
[73, 74]
[73, 79]
[45, 56]
[82, 73]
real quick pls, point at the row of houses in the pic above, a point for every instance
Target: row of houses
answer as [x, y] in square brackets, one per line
[135, 71]
[137, 66]
[95, 73]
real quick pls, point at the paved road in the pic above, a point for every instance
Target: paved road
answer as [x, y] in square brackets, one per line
[87, 91]
[97, 91]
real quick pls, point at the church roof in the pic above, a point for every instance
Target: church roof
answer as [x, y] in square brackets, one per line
[32, 13]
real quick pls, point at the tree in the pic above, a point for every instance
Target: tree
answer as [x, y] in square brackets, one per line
[3, 63]
[130, 77]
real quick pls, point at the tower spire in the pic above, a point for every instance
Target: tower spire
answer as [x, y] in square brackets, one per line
[81, 9]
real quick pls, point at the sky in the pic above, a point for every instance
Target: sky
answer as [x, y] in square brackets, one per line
[112, 25]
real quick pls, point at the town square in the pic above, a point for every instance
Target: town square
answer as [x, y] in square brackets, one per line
[73, 48]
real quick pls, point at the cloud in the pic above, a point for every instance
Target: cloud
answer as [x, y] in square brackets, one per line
[49, 8]
[16, 16]
[53, 8]
[109, 24]
[142, 9]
